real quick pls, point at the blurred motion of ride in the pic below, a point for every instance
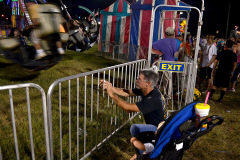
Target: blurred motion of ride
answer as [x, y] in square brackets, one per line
[48, 32]
[82, 33]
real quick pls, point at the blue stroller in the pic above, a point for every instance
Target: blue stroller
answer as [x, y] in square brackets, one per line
[177, 134]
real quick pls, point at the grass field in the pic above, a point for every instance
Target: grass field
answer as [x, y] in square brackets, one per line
[220, 144]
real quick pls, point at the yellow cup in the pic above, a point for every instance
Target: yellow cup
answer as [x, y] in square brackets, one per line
[202, 112]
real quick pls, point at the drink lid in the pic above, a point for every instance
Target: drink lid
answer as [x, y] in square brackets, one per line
[201, 106]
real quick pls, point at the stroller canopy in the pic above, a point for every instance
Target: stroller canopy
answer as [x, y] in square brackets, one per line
[170, 129]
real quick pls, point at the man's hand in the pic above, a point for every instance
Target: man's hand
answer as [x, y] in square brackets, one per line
[108, 86]
[101, 83]
[231, 74]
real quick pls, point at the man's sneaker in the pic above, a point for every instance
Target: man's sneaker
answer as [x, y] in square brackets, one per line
[40, 55]
[231, 89]
[60, 51]
[219, 100]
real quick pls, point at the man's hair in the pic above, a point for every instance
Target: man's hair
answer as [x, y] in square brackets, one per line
[150, 76]
[229, 43]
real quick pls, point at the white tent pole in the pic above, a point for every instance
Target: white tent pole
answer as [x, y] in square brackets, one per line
[195, 63]
[151, 35]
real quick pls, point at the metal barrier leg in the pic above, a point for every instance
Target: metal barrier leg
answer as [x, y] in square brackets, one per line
[0, 154]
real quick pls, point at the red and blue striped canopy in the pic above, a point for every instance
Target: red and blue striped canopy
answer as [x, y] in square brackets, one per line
[115, 25]
[141, 22]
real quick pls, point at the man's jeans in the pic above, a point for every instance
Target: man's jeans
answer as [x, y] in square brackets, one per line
[137, 128]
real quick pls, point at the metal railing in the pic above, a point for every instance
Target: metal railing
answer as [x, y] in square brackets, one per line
[82, 116]
[18, 109]
[175, 85]
[123, 52]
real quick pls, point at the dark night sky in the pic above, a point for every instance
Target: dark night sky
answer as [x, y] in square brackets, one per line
[214, 18]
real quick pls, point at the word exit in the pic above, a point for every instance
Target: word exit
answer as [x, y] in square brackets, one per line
[172, 67]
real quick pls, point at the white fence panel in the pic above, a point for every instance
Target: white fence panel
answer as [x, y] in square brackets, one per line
[82, 116]
[29, 125]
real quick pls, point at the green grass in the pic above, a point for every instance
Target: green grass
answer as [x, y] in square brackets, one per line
[220, 144]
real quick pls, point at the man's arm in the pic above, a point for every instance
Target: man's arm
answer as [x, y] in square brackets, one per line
[118, 91]
[215, 64]
[212, 60]
[214, 67]
[124, 105]
[234, 67]
[154, 51]
[121, 103]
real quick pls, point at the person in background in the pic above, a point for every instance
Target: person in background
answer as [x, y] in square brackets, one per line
[40, 53]
[227, 63]
[169, 48]
[190, 39]
[236, 49]
[192, 49]
[15, 33]
[204, 42]
[206, 62]
[184, 45]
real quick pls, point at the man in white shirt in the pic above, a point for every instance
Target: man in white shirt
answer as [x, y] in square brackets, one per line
[206, 62]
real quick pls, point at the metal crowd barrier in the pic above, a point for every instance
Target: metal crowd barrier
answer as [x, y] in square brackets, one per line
[175, 86]
[19, 136]
[107, 48]
[82, 116]
[121, 52]
[142, 52]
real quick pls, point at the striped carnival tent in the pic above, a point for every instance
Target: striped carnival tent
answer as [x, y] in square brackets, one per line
[141, 21]
[115, 26]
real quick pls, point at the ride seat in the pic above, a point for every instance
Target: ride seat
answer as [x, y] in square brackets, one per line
[75, 36]
[64, 37]
[9, 43]
[50, 18]
[94, 28]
